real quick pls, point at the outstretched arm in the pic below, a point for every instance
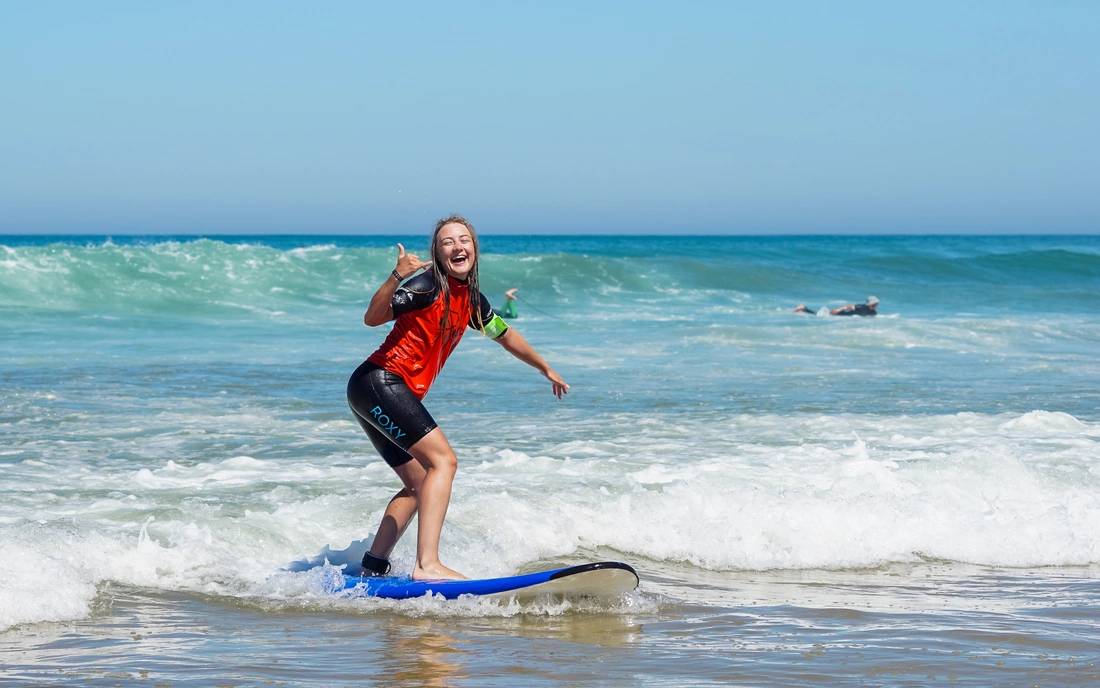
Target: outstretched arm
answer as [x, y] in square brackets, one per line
[514, 343]
[381, 304]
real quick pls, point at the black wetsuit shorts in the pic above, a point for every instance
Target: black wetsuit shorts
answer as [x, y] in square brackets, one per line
[391, 415]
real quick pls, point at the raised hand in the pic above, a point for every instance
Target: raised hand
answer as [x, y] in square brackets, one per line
[408, 263]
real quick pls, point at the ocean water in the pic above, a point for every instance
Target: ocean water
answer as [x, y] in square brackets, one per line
[911, 499]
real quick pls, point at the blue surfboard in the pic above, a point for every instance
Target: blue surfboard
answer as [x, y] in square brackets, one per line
[602, 579]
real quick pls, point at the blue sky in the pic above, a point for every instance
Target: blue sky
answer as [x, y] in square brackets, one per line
[540, 117]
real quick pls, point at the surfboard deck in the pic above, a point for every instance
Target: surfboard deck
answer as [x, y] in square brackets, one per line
[601, 579]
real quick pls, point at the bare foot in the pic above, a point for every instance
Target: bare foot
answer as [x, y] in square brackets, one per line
[436, 572]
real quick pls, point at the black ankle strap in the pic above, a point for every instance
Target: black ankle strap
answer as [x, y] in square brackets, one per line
[376, 565]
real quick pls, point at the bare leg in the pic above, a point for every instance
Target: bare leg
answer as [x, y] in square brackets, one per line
[434, 453]
[400, 510]
[399, 513]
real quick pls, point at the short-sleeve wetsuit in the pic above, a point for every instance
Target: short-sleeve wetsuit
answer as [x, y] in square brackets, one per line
[858, 309]
[385, 392]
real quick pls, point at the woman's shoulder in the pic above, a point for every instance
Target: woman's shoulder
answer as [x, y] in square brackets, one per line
[420, 284]
[414, 294]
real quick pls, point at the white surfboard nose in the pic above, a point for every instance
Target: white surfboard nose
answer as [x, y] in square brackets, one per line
[605, 581]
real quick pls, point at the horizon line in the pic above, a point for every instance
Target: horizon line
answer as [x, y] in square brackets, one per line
[203, 235]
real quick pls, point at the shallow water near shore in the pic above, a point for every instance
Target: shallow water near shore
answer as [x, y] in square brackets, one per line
[911, 499]
[921, 624]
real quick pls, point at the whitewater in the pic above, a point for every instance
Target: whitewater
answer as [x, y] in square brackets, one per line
[174, 433]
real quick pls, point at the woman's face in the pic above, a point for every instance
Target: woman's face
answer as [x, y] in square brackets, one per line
[455, 250]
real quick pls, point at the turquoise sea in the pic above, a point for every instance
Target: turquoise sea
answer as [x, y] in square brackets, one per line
[910, 499]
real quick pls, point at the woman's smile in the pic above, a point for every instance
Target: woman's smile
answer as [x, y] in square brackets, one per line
[456, 248]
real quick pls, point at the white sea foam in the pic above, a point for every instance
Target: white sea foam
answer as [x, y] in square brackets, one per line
[1040, 421]
[753, 492]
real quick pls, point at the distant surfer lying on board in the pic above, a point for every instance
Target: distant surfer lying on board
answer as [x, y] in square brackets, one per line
[432, 311]
[869, 308]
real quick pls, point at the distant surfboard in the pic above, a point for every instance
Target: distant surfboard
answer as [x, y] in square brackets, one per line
[602, 579]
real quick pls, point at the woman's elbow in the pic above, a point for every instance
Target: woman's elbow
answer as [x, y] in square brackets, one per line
[376, 315]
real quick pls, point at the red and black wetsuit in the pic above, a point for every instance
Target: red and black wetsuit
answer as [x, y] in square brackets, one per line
[416, 349]
[385, 391]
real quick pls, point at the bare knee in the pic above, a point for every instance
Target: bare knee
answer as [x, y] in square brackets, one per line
[448, 463]
[442, 462]
[434, 453]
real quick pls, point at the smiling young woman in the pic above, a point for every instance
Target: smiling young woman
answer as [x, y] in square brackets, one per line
[432, 311]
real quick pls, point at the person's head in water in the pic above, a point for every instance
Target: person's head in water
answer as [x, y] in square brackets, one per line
[455, 252]
[872, 302]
